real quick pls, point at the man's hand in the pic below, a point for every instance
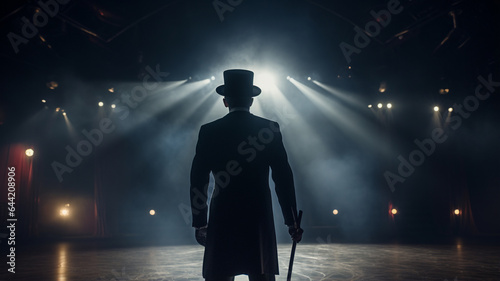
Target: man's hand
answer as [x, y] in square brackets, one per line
[201, 235]
[295, 233]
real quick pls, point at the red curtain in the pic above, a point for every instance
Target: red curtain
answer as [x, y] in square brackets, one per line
[26, 193]
[100, 223]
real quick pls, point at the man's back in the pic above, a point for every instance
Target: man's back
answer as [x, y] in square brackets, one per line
[239, 150]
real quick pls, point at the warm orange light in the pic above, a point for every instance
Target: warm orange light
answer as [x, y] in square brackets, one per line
[335, 211]
[152, 212]
[29, 152]
[457, 212]
[52, 85]
[64, 212]
[394, 211]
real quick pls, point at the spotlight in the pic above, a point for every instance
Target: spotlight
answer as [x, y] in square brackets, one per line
[288, 78]
[44, 101]
[111, 90]
[64, 113]
[389, 105]
[29, 152]
[57, 109]
[335, 212]
[394, 211]
[456, 212]
[444, 91]
[379, 105]
[436, 108]
[265, 80]
[64, 212]
[101, 104]
[450, 109]
[52, 85]
[152, 212]
[309, 78]
[350, 67]
[369, 106]
[382, 87]
[213, 78]
[113, 105]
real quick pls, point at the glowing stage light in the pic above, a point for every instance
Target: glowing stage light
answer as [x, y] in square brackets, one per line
[379, 105]
[152, 212]
[389, 105]
[444, 91]
[57, 109]
[113, 105]
[450, 109]
[29, 152]
[101, 104]
[44, 101]
[309, 78]
[370, 106]
[436, 108]
[64, 113]
[288, 78]
[264, 80]
[64, 212]
[394, 211]
[213, 78]
[350, 67]
[52, 85]
[456, 212]
[111, 90]
[335, 212]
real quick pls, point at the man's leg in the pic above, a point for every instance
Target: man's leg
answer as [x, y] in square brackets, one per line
[261, 277]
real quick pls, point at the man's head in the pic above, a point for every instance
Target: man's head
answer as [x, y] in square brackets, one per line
[233, 102]
[238, 89]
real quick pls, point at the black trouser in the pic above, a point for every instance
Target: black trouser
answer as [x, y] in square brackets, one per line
[251, 277]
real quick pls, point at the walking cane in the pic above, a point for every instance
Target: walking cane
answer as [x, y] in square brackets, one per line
[292, 255]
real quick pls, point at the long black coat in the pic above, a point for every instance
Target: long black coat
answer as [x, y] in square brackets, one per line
[238, 150]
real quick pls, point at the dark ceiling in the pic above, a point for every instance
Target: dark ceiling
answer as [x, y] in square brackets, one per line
[428, 45]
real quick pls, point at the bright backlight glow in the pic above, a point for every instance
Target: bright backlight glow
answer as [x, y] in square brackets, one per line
[264, 80]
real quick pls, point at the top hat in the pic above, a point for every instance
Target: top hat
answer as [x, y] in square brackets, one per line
[238, 83]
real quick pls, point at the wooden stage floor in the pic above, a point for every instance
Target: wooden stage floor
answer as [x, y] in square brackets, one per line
[89, 261]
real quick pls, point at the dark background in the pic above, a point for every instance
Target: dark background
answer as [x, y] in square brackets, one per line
[338, 152]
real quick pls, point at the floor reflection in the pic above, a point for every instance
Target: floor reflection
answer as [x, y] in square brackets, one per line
[62, 251]
[72, 261]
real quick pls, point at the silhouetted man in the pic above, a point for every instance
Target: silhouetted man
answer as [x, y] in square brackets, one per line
[238, 150]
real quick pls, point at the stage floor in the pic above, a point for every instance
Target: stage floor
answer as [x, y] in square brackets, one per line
[78, 261]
